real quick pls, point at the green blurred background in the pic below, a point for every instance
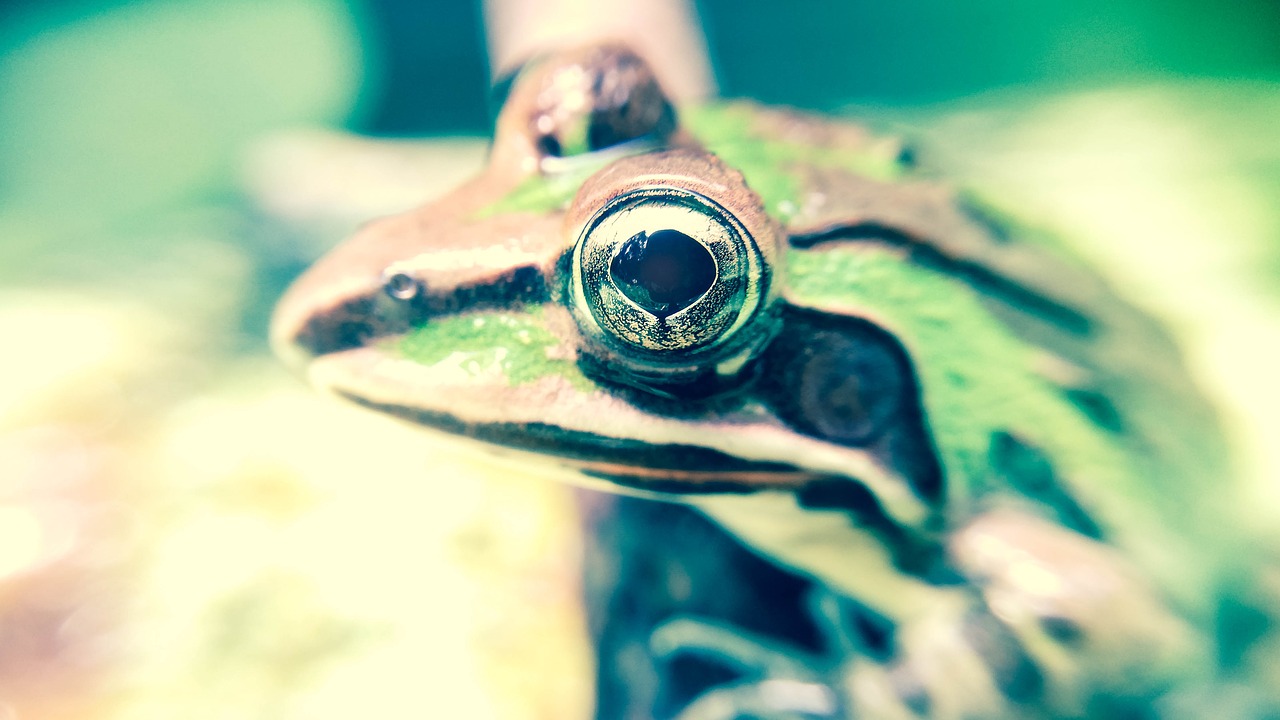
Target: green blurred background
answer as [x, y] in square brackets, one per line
[180, 532]
[115, 114]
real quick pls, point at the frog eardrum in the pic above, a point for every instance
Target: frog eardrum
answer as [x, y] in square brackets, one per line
[674, 274]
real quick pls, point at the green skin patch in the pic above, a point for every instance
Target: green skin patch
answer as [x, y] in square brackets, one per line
[518, 346]
[541, 194]
[729, 131]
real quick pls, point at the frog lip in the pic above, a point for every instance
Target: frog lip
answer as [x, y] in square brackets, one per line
[595, 433]
[673, 469]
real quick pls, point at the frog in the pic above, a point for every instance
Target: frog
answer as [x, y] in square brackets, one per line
[999, 483]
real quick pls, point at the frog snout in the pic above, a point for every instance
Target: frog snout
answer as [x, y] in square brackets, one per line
[308, 324]
[344, 327]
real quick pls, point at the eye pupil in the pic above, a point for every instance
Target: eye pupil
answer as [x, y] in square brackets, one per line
[663, 272]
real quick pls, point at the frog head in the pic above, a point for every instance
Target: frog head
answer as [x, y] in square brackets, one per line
[865, 373]
[604, 294]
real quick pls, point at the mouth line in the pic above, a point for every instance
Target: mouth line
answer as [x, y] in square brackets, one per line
[589, 434]
[676, 469]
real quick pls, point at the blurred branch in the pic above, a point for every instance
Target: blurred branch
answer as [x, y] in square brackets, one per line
[666, 32]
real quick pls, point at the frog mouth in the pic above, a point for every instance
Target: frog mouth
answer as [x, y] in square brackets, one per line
[632, 465]
[597, 440]
[598, 436]
[589, 431]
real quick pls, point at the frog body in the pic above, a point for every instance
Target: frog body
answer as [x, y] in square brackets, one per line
[880, 384]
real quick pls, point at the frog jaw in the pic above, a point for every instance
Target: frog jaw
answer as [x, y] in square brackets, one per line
[508, 377]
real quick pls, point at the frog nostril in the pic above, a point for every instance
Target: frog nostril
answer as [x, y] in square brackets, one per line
[401, 286]
[549, 146]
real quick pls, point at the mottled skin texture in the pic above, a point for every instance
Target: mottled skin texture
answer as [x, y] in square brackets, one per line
[992, 475]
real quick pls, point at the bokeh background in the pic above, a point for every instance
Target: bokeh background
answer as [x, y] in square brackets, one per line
[186, 531]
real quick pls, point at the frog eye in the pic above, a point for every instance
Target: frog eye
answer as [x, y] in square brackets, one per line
[667, 282]
[604, 99]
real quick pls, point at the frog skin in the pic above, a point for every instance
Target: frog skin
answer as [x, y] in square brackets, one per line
[1010, 497]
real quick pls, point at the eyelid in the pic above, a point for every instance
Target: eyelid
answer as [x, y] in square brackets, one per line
[570, 164]
[693, 170]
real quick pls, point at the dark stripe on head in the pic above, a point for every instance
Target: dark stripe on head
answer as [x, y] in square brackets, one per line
[978, 276]
[1028, 470]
